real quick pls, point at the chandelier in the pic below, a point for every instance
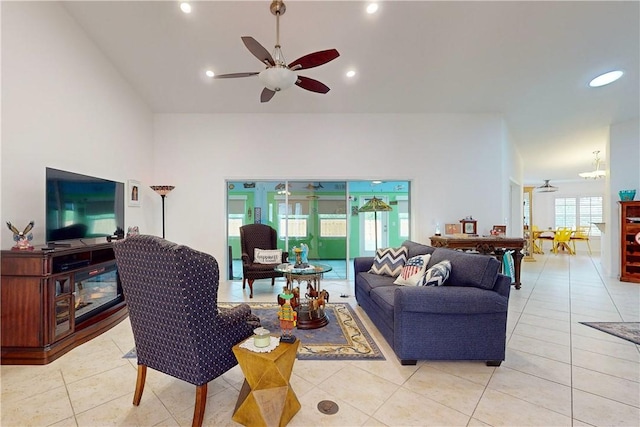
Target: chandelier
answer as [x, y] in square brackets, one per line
[596, 173]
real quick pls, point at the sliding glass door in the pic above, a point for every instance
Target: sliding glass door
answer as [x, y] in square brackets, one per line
[324, 215]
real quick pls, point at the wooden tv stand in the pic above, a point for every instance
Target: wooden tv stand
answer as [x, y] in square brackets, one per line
[41, 320]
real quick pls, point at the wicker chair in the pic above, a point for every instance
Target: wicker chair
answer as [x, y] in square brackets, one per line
[258, 236]
[171, 292]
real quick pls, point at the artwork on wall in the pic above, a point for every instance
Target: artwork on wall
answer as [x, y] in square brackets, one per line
[134, 193]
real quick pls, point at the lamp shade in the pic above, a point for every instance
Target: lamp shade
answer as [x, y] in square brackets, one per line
[162, 190]
[375, 205]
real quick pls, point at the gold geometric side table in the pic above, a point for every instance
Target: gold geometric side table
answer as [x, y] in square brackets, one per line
[266, 397]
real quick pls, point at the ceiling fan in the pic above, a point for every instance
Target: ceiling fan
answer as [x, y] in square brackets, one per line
[278, 75]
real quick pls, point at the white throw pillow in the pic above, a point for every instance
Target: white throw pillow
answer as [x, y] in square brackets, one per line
[267, 256]
[413, 270]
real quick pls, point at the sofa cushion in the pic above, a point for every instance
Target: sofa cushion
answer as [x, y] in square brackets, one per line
[389, 261]
[384, 299]
[415, 248]
[367, 281]
[413, 271]
[479, 271]
[437, 274]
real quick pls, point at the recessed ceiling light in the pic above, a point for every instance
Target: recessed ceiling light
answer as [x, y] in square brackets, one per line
[372, 8]
[351, 73]
[210, 73]
[185, 7]
[606, 78]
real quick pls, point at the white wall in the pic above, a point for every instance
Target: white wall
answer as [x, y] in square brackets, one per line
[512, 189]
[453, 161]
[624, 174]
[64, 106]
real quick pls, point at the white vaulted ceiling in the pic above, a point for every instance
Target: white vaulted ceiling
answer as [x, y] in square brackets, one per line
[529, 61]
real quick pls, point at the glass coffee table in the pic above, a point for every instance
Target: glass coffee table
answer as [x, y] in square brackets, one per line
[309, 303]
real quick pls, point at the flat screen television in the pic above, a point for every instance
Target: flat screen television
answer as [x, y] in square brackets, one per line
[81, 206]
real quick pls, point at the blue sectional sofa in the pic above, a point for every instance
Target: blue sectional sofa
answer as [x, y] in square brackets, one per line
[464, 319]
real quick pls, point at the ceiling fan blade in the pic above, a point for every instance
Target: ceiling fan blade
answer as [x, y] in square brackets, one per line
[312, 85]
[258, 50]
[266, 95]
[234, 75]
[314, 59]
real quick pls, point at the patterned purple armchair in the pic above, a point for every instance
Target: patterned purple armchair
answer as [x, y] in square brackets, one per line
[172, 295]
[258, 236]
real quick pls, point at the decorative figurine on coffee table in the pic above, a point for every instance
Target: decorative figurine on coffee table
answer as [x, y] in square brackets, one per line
[288, 317]
[299, 261]
[22, 239]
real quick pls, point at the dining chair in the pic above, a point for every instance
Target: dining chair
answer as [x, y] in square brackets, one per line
[581, 234]
[561, 240]
[171, 293]
[539, 236]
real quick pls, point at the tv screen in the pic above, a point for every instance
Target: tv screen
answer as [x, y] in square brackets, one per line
[81, 206]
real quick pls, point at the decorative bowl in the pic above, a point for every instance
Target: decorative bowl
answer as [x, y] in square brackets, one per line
[627, 195]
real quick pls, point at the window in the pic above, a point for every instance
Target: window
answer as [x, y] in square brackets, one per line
[333, 225]
[575, 211]
[296, 227]
[332, 217]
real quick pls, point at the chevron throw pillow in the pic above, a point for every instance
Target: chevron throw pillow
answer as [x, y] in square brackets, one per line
[437, 274]
[389, 261]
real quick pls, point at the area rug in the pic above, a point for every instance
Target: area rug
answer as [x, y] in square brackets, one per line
[629, 331]
[344, 338]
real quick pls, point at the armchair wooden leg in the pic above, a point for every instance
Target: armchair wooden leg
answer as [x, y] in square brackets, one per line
[273, 281]
[250, 287]
[201, 405]
[142, 376]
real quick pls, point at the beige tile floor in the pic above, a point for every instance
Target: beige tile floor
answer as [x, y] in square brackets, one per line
[557, 372]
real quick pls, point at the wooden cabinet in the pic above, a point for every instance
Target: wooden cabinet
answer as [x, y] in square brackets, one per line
[54, 300]
[630, 241]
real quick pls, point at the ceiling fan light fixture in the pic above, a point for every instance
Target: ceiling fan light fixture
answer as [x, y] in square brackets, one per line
[546, 187]
[277, 78]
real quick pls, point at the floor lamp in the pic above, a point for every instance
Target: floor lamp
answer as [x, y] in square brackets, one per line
[162, 190]
[375, 205]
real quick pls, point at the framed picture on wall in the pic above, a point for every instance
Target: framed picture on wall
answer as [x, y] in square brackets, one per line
[133, 193]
